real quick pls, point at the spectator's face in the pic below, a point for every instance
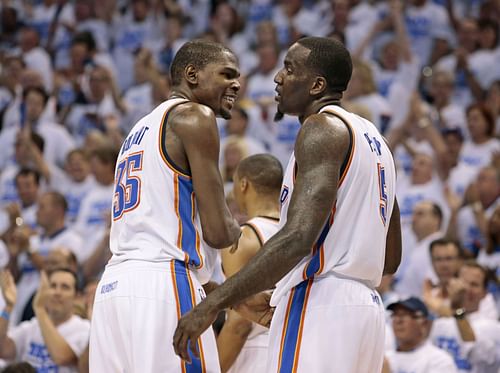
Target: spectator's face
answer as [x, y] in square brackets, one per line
[453, 145]
[13, 72]
[266, 33]
[237, 125]
[441, 88]
[423, 220]
[478, 127]
[390, 56]
[409, 328]
[62, 293]
[27, 189]
[140, 10]
[488, 185]
[468, 34]
[422, 168]
[473, 279]
[446, 262]
[28, 40]
[268, 57]
[77, 167]
[487, 38]
[79, 54]
[34, 106]
[46, 212]
[99, 83]
[82, 10]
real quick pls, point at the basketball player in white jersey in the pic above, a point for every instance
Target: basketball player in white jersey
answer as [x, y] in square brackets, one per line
[243, 345]
[168, 214]
[339, 230]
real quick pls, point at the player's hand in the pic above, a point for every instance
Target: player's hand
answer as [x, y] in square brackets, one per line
[190, 327]
[257, 309]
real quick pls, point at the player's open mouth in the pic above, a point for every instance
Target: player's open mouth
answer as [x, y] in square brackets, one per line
[230, 99]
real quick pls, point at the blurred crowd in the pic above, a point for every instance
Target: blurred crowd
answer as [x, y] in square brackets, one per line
[75, 76]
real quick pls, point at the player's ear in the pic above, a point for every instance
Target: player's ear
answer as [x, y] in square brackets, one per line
[191, 74]
[318, 86]
[243, 184]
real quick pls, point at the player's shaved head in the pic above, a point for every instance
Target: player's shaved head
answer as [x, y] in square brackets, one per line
[330, 59]
[264, 171]
[198, 53]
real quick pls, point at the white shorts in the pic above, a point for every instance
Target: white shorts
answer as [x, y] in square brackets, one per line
[328, 325]
[136, 309]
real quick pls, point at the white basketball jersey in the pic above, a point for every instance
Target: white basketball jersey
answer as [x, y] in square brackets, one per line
[352, 241]
[264, 227]
[155, 217]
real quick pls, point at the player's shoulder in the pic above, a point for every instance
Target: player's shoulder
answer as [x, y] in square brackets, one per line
[190, 112]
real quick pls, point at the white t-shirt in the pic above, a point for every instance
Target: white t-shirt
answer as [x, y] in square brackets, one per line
[424, 359]
[31, 347]
[480, 356]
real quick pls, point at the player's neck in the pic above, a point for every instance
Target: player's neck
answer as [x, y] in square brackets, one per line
[180, 93]
[262, 207]
[317, 105]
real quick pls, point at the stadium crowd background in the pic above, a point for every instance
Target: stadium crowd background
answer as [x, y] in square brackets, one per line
[76, 75]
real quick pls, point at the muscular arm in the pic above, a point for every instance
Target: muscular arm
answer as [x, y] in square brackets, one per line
[319, 150]
[393, 243]
[196, 127]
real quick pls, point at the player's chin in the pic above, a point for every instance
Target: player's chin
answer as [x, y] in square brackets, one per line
[225, 113]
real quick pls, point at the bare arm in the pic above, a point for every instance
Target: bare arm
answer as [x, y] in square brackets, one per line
[313, 198]
[236, 329]
[393, 243]
[401, 35]
[9, 292]
[196, 127]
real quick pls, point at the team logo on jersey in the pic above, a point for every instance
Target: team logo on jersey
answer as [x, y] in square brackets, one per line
[284, 194]
[106, 288]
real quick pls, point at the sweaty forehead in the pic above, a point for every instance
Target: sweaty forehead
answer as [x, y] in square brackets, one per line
[297, 54]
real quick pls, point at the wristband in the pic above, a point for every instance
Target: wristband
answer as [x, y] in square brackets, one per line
[5, 315]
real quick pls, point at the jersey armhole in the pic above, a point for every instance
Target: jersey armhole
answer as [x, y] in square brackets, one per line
[163, 148]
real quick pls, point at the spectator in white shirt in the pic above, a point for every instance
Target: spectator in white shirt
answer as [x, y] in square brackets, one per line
[53, 340]
[411, 322]
[467, 335]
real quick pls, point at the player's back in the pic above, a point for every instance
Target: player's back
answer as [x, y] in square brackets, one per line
[154, 215]
[352, 241]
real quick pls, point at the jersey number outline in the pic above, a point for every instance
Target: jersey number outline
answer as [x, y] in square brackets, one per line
[383, 193]
[127, 195]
